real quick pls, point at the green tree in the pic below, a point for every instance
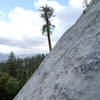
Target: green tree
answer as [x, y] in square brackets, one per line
[13, 86]
[9, 86]
[47, 14]
[10, 83]
[12, 65]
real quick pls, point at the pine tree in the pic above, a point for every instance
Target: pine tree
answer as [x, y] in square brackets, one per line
[46, 14]
[12, 65]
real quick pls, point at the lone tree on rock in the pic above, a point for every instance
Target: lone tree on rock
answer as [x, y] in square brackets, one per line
[85, 3]
[47, 14]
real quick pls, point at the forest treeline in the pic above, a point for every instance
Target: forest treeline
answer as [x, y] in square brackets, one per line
[15, 72]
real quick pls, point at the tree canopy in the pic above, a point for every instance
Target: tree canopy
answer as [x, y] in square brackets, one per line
[47, 29]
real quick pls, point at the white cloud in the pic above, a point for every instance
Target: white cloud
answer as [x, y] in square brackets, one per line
[22, 34]
[77, 3]
[23, 31]
[1, 13]
[51, 3]
[22, 24]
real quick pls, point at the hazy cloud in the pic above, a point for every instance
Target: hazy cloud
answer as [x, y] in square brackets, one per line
[22, 33]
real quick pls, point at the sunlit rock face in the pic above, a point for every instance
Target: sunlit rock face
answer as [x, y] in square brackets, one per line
[72, 70]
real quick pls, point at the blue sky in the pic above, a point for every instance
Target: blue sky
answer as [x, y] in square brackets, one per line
[11, 4]
[20, 24]
[26, 4]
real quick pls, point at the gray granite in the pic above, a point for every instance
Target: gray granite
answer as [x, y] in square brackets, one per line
[72, 70]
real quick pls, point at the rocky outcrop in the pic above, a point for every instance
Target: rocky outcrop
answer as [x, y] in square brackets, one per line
[72, 70]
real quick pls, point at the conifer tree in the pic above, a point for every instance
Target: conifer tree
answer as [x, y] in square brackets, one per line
[46, 14]
[12, 65]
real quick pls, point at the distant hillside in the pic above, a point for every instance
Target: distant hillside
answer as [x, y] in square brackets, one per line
[3, 57]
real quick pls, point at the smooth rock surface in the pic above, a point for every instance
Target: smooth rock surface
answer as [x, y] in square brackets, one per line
[72, 70]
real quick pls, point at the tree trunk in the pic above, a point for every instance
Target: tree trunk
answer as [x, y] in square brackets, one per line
[48, 33]
[49, 42]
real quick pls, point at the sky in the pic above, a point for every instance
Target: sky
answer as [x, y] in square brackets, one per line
[20, 24]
